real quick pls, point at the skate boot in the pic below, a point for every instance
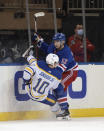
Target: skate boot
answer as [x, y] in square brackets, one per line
[63, 115]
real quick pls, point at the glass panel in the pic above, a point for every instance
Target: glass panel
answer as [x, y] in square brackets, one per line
[14, 30]
[94, 21]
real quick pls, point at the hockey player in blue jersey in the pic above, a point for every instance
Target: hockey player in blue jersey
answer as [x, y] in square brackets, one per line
[66, 59]
[41, 77]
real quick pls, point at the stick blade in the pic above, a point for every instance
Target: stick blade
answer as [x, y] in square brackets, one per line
[39, 14]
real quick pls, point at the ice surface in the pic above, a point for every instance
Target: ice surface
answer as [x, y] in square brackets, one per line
[75, 124]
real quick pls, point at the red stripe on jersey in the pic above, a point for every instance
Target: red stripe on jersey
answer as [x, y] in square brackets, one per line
[75, 66]
[62, 66]
[62, 100]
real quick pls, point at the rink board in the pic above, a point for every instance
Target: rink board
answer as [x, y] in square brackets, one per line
[85, 95]
[47, 115]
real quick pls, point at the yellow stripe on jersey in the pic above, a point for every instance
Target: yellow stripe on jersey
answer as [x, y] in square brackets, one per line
[48, 73]
[36, 96]
[29, 70]
[50, 100]
[32, 60]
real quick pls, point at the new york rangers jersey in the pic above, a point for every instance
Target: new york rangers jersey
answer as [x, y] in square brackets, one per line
[43, 78]
[65, 55]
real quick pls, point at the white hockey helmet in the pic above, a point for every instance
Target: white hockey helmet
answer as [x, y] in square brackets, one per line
[52, 59]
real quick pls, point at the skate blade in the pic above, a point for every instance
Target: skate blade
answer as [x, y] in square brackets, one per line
[64, 118]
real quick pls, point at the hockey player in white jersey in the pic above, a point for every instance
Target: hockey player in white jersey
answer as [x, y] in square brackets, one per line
[41, 77]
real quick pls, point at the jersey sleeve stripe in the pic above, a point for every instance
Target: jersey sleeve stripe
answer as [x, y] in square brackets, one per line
[62, 67]
[29, 70]
[32, 60]
[32, 69]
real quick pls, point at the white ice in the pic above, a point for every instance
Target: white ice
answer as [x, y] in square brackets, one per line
[75, 124]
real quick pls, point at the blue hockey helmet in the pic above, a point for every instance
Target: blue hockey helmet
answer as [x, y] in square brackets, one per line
[59, 36]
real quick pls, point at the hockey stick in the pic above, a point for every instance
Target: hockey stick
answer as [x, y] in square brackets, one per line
[27, 51]
[36, 15]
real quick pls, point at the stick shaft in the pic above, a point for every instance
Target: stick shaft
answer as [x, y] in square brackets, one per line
[26, 52]
[35, 25]
[36, 48]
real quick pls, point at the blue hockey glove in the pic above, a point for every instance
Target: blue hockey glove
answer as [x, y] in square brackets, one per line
[37, 40]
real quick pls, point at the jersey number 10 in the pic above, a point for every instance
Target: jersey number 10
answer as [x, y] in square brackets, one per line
[41, 86]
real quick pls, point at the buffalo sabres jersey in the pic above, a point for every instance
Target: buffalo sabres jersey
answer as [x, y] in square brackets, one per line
[43, 78]
[65, 55]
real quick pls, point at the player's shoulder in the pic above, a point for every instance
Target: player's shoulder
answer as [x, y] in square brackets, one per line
[67, 49]
[68, 53]
[56, 72]
[51, 48]
[42, 64]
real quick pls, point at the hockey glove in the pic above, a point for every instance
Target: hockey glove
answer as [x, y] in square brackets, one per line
[37, 40]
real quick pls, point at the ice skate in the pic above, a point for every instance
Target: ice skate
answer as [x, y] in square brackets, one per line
[63, 115]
